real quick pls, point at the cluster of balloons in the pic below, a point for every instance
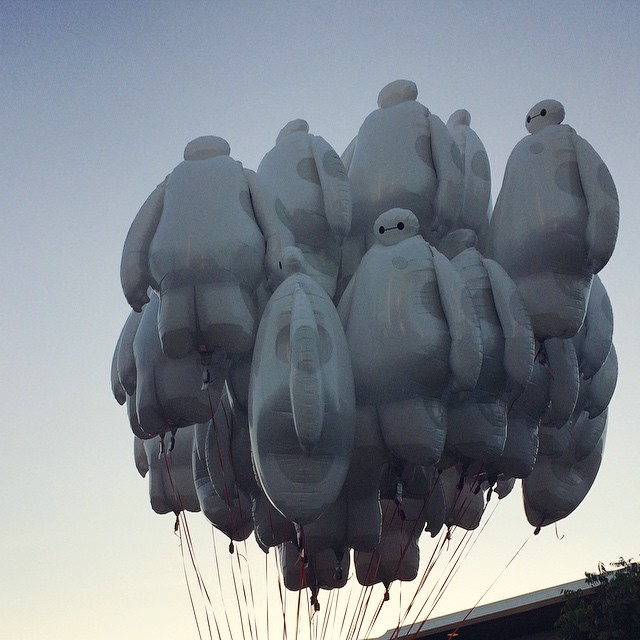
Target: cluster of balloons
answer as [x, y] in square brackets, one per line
[349, 350]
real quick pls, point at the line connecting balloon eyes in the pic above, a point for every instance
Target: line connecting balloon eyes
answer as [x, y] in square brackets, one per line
[399, 226]
[542, 113]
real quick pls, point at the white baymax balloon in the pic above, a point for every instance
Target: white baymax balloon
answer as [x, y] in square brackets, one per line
[597, 391]
[171, 487]
[593, 341]
[412, 331]
[464, 499]
[169, 392]
[368, 467]
[123, 366]
[403, 156]
[301, 397]
[560, 357]
[231, 516]
[477, 173]
[397, 557]
[229, 460]
[420, 483]
[558, 485]
[555, 221]
[313, 203]
[477, 419]
[195, 241]
[315, 571]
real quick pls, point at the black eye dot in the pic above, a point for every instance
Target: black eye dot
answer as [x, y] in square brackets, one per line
[528, 119]
[543, 113]
[381, 230]
[280, 264]
[401, 225]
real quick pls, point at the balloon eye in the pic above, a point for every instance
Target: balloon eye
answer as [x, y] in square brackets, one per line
[528, 119]
[381, 230]
[401, 225]
[280, 264]
[543, 113]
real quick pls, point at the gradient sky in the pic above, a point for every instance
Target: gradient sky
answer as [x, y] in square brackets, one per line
[98, 102]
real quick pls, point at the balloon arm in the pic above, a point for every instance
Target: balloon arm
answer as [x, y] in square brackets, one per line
[140, 456]
[276, 234]
[336, 190]
[125, 359]
[116, 387]
[134, 267]
[565, 379]
[519, 341]
[448, 164]
[305, 379]
[465, 357]
[602, 203]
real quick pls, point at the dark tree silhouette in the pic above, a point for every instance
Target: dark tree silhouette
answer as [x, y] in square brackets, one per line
[612, 612]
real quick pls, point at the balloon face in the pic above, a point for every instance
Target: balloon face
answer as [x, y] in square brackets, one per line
[543, 114]
[395, 225]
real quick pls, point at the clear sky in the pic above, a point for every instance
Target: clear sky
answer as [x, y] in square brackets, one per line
[98, 102]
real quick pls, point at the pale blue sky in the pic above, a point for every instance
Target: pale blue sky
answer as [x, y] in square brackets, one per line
[98, 102]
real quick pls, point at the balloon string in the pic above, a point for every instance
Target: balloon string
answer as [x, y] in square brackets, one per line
[515, 555]
[461, 552]
[243, 584]
[217, 565]
[282, 601]
[346, 608]
[435, 555]
[227, 497]
[182, 520]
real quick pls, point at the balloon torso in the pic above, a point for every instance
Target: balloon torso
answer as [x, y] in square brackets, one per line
[207, 231]
[392, 166]
[396, 329]
[291, 172]
[538, 230]
[207, 258]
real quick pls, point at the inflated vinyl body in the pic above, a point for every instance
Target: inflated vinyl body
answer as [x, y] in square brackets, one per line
[405, 157]
[227, 453]
[555, 221]
[397, 557]
[593, 341]
[197, 243]
[231, 516]
[368, 468]
[477, 174]
[581, 433]
[313, 203]
[301, 397]
[558, 484]
[123, 366]
[168, 392]
[477, 419]
[464, 501]
[409, 481]
[319, 570]
[412, 332]
[171, 486]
